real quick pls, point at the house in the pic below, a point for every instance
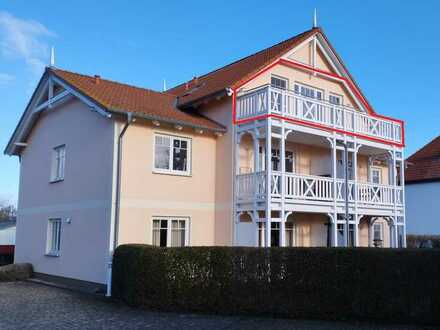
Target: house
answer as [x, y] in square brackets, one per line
[104, 163]
[422, 188]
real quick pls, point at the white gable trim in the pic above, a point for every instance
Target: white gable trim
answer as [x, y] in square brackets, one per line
[35, 108]
[321, 44]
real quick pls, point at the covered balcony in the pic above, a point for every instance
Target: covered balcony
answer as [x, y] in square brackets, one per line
[268, 100]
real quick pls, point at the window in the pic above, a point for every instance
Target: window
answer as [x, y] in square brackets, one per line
[53, 237]
[290, 229]
[308, 91]
[341, 234]
[261, 234]
[275, 234]
[376, 175]
[170, 232]
[278, 82]
[377, 232]
[172, 154]
[58, 163]
[276, 160]
[335, 99]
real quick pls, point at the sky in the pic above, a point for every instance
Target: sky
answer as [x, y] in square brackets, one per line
[392, 48]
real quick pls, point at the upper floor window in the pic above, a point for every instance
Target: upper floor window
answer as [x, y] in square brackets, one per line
[335, 99]
[278, 82]
[170, 232]
[53, 243]
[376, 175]
[307, 91]
[172, 154]
[58, 163]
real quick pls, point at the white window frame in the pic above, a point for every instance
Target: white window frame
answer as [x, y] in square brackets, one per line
[379, 171]
[341, 98]
[170, 167]
[315, 89]
[379, 225]
[53, 239]
[169, 220]
[280, 78]
[58, 163]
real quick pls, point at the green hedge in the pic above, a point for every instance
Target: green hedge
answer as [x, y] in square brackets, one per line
[397, 285]
[423, 241]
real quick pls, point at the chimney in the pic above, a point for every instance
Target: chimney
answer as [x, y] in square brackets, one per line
[97, 79]
[196, 80]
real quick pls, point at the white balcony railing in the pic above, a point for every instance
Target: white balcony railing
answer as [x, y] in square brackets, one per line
[270, 100]
[315, 188]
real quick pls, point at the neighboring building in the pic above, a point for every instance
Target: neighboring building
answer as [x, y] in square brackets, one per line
[422, 190]
[196, 167]
[7, 232]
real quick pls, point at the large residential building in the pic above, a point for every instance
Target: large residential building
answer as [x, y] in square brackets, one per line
[422, 185]
[280, 148]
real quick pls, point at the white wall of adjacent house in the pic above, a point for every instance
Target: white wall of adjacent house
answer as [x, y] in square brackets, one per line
[64, 211]
[422, 208]
[7, 236]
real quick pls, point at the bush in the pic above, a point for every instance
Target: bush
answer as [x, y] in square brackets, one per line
[399, 285]
[15, 272]
[423, 241]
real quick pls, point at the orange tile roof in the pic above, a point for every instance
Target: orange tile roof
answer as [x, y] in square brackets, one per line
[233, 74]
[117, 97]
[424, 165]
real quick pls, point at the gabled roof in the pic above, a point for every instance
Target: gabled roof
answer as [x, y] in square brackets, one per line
[424, 165]
[118, 97]
[233, 74]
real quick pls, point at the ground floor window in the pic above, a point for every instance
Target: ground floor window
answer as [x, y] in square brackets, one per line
[378, 234]
[341, 234]
[290, 229]
[170, 231]
[275, 234]
[400, 236]
[53, 244]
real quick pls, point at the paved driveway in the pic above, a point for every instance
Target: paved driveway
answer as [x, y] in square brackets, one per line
[25, 305]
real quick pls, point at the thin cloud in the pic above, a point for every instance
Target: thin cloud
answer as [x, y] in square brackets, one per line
[6, 78]
[25, 40]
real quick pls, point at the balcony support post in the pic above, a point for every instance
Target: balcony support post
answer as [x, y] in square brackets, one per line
[283, 183]
[268, 180]
[357, 146]
[332, 142]
[402, 184]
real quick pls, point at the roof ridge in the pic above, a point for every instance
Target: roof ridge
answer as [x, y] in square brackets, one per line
[423, 147]
[248, 56]
[54, 69]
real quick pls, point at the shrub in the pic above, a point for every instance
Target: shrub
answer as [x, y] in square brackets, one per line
[15, 272]
[380, 284]
[423, 241]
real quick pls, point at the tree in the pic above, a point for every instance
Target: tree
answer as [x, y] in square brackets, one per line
[7, 211]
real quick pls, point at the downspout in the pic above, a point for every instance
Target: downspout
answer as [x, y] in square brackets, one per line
[130, 119]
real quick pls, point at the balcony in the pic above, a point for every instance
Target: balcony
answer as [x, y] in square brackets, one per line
[299, 187]
[267, 100]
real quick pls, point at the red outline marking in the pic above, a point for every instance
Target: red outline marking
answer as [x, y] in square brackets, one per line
[331, 75]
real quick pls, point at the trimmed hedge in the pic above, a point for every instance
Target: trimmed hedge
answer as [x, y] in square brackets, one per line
[423, 241]
[397, 285]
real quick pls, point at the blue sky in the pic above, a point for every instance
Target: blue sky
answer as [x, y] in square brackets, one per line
[392, 48]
